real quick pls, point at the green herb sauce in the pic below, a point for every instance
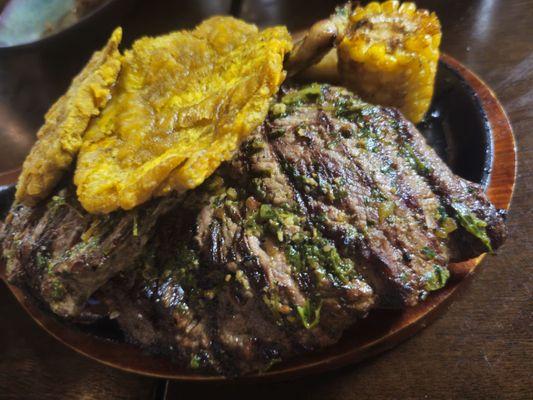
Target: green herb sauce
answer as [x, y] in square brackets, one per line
[472, 224]
[307, 94]
[428, 252]
[437, 278]
[410, 155]
[309, 314]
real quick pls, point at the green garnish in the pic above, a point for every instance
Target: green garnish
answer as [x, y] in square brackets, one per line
[347, 107]
[429, 253]
[437, 278]
[448, 225]
[135, 226]
[42, 261]
[56, 202]
[304, 95]
[319, 254]
[414, 160]
[309, 314]
[385, 210]
[274, 220]
[304, 250]
[58, 290]
[472, 224]
[195, 361]
[278, 110]
[258, 189]
[231, 193]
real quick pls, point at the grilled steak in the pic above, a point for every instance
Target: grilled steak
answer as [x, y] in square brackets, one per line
[63, 254]
[332, 208]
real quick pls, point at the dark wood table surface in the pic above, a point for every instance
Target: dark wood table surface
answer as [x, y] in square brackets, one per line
[480, 348]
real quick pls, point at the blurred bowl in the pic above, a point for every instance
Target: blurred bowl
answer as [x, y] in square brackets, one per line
[96, 22]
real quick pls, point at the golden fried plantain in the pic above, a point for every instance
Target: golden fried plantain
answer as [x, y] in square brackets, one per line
[182, 104]
[60, 138]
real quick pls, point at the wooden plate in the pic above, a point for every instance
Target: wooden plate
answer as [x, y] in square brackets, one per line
[469, 129]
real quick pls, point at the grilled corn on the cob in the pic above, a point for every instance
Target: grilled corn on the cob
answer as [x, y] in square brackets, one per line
[389, 55]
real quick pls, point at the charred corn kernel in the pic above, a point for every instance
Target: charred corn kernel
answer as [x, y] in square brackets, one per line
[390, 6]
[389, 56]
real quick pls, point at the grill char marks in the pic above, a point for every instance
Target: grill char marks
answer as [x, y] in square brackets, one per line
[64, 254]
[258, 318]
[330, 163]
[299, 283]
[162, 306]
[383, 194]
[245, 335]
[332, 208]
[453, 190]
[239, 299]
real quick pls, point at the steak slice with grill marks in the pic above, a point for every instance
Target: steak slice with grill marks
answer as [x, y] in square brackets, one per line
[315, 214]
[373, 185]
[331, 208]
[220, 270]
[63, 254]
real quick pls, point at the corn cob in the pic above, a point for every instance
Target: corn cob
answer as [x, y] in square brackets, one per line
[389, 56]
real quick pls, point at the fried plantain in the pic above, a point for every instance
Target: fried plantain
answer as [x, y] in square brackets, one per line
[182, 104]
[61, 136]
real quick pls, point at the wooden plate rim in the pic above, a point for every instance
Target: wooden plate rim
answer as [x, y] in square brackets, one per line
[133, 359]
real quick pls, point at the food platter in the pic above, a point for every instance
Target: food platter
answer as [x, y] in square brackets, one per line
[469, 129]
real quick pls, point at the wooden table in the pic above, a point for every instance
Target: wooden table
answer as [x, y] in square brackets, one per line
[481, 348]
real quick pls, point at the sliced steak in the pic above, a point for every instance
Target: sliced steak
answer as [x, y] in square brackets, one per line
[220, 291]
[372, 184]
[63, 254]
[333, 207]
